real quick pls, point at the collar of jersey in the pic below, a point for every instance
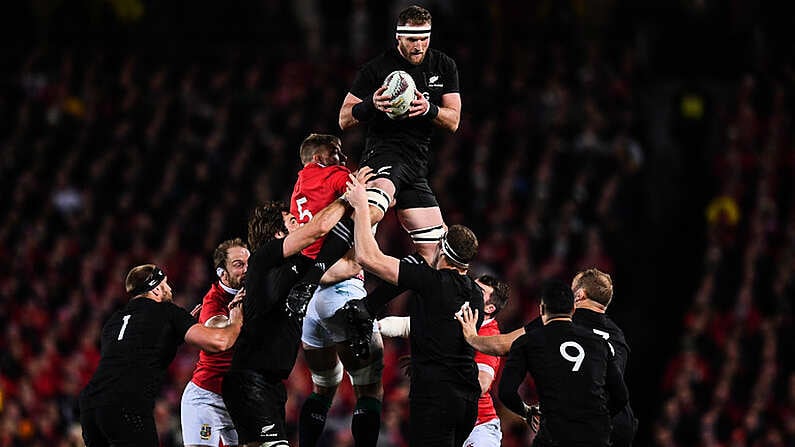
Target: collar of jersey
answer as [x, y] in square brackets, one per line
[228, 289]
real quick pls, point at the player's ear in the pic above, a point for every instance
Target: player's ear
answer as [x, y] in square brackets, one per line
[489, 309]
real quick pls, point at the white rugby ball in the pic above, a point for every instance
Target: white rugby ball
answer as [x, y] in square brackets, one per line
[218, 321]
[400, 87]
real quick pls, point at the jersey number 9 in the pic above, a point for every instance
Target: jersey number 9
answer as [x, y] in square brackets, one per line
[576, 359]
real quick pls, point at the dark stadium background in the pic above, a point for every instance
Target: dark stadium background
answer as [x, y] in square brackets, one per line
[593, 132]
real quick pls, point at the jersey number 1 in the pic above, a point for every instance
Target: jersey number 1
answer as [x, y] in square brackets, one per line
[126, 319]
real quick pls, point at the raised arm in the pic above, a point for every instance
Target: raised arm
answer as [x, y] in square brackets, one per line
[316, 228]
[368, 255]
[489, 344]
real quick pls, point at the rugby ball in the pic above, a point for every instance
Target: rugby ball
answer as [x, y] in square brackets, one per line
[218, 321]
[400, 87]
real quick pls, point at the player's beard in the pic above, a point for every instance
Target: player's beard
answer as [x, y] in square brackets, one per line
[237, 284]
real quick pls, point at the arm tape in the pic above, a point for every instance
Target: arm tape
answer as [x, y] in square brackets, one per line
[365, 110]
[395, 326]
[432, 112]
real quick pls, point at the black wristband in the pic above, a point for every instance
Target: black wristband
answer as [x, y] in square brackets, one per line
[365, 110]
[432, 112]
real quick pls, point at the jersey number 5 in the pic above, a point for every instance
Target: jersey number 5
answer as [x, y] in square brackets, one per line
[304, 215]
[576, 359]
[126, 319]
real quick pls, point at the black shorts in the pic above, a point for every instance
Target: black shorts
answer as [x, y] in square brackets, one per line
[118, 426]
[441, 422]
[409, 177]
[256, 406]
[543, 439]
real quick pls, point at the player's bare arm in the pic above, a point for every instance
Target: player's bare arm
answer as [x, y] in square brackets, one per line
[343, 269]
[489, 344]
[316, 228]
[222, 320]
[449, 114]
[347, 119]
[213, 339]
[367, 252]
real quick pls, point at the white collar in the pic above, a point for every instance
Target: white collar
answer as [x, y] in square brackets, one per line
[227, 289]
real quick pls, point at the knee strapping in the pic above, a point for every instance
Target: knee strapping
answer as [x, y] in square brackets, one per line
[378, 198]
[328, 378]
[369, 374]
[427, 235]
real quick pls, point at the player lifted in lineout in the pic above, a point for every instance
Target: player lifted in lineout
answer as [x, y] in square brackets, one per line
[321, 181]
[398, 150]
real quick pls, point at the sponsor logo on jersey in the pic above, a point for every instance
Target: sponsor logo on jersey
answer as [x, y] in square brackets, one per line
[205, 431]
[433, 80]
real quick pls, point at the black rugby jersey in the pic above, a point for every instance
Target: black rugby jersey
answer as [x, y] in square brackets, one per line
[138, 343]
[269, 340]
[435, 76]
[441, 359]
[578, 382]
[624, 423]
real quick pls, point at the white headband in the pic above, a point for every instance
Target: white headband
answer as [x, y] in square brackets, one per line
[452, 255]
[413, 30]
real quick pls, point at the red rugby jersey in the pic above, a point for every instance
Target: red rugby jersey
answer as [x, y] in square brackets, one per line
[211, 368]
[316, 187]
[489, 363]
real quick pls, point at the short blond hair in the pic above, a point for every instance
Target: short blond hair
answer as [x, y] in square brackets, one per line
[316, 142]
[598, 285]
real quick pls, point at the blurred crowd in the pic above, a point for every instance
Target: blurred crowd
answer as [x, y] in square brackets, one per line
[732, 382]
[110, 159]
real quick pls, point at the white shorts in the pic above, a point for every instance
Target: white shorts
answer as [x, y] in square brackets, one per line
[205, 419]
[321, 328]
[487, 434]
